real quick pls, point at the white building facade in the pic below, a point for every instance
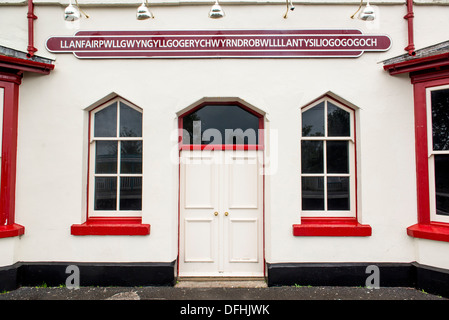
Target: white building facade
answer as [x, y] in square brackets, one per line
[302, 159]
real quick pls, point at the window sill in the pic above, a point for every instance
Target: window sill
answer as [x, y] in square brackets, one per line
[111, 227]
[432, 231]
[12, 230]
[331, 227]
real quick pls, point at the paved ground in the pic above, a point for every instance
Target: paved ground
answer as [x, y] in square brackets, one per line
[218, 291]
[217, 300]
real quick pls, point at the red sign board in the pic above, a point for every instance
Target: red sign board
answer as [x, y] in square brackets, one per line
[219, 44]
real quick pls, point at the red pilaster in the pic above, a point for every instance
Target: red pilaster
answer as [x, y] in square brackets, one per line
[10, 84]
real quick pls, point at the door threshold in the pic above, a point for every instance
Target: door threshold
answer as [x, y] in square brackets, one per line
[220, 278]
[221, 282]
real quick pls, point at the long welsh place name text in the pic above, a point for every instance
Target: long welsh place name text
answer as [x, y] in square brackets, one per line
[135, 44]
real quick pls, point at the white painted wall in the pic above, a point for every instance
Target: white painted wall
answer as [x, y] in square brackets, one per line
[51, 174]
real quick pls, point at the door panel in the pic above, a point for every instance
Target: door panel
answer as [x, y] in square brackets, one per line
[243, 240]
[199, 238]
[243, 181]
[199, 168]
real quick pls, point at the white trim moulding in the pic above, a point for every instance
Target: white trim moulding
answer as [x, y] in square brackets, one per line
[133, 3]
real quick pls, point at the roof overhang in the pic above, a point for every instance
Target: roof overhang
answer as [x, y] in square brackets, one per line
[18, 62]
[433, 57]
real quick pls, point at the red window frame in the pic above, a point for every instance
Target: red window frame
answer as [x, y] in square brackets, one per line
[10, 84]
[103, 226]
[425, 228]
[335, 226]
[258, 146]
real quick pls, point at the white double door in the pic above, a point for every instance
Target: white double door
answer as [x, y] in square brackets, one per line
[221, 213]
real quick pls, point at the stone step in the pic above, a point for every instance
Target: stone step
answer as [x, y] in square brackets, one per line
[220, 282]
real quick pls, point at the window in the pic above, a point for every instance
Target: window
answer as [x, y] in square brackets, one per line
[116, 160]
[328, 170]
[115, 177]
[222, 126]
[430, 78]
[327, 160]
[431, 100]
[9, 104]
[438, 144]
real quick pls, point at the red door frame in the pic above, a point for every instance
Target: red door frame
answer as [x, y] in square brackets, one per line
[259, 146]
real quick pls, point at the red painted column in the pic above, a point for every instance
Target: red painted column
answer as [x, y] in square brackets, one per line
[422, 160]
[10, 83]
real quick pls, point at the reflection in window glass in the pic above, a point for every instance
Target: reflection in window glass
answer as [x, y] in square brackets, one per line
[131, 193]
[130, 122]
[337, 121]
[338, 193]
[221, 124]
[440, 119]
[442, 184]
[313, 121]
[312, 193]
[105, 193]
[106, 122]
[131, 157]
[106, 157]
[312, 156]
[337, 156]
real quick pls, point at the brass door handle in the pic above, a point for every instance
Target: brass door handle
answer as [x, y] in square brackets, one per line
[215, 213]
[226, 214]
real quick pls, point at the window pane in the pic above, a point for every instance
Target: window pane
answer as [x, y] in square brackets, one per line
[131, 157]
[313, 121]
[130, 121]
[106, 122]
[312, 193]
[105, 193]
[337, 156]
[440, 119]
[131, 193]
[337, 121]
[442, 184]
[221, 124]
[338, 193]
[312, 156]
[106, 157]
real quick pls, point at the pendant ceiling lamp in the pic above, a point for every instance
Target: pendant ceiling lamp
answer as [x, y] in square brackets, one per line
[143, 13]
[367, 14]
[216, 11]
[72, 12]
